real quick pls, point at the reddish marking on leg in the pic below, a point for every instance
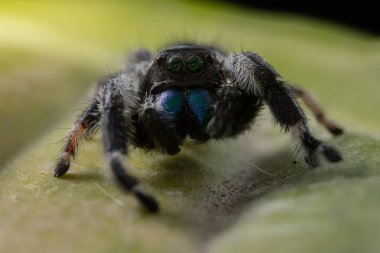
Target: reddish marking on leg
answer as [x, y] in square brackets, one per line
[310, 102]
[69, 151]
[74, 140]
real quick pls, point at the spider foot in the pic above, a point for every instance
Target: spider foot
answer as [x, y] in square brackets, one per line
[335, 130]
[329, 153]
[61, 168]
[149, 202]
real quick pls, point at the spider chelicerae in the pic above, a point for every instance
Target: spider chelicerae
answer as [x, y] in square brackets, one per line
[189, 91]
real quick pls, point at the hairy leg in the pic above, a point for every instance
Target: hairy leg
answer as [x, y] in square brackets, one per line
[233, 112]
[115, 131]
[156, 127]
[255, 76]
[84, 126]
[315, 108]
[135, 58]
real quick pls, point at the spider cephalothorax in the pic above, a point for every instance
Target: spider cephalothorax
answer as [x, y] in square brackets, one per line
[192, 91]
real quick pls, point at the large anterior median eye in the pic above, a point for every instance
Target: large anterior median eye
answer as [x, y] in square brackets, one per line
[195, 64]
[174, 65]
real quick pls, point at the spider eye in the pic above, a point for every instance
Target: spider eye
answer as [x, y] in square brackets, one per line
[195, 64]
[174, 65]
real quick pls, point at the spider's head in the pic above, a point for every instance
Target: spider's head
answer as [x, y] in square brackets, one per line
[185, 66]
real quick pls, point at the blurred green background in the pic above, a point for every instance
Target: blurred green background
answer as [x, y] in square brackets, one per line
[51, 52]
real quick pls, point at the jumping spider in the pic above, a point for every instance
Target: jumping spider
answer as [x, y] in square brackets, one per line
[195, 91]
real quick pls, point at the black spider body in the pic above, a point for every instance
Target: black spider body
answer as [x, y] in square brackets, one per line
[190, 91]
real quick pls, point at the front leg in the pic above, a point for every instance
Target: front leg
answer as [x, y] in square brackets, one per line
[156, 122]
[256, 77]
[115, 131]
[290, 116]
[233, 112]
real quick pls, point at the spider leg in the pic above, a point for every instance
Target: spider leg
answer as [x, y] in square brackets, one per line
[233, 112]
[84, 126]
[256, 77]
[315, 108]
[135, 58]
[290, 116]
[115, 131]
[157, 128]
